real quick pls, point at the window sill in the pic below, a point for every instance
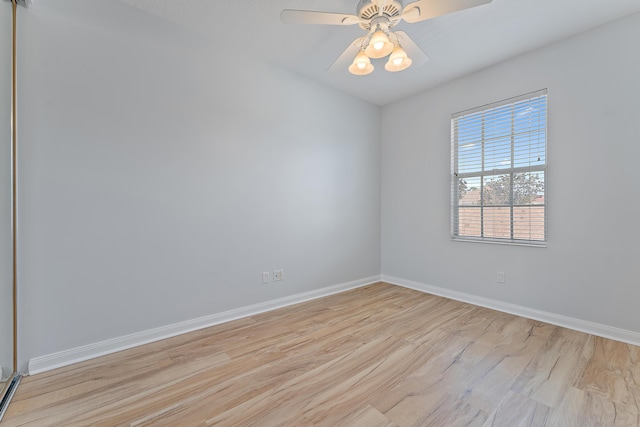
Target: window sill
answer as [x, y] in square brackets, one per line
[501, 242]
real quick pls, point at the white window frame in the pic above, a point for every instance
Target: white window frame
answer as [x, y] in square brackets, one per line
[483, 172]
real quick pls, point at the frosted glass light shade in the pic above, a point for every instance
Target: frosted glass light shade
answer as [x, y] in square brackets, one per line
[379, 45]
[398, 60]
[361, 65]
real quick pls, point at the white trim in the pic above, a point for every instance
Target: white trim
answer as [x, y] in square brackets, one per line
[623, 335]
[79, 354]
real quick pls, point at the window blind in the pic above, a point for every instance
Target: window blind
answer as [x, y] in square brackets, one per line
[498, 171]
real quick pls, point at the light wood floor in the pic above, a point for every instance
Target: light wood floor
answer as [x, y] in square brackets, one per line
[377, 356]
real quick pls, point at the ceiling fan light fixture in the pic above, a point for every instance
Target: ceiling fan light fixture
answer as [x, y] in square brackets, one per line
[379, 45]
[378, 18]
[361, 65]
[398, 60]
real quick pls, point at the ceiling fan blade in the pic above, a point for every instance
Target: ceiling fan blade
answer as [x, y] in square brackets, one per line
[291, 16]
[346, 57]
[426, 9]
[417, 55]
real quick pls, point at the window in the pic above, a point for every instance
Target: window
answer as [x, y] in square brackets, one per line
[498, 165]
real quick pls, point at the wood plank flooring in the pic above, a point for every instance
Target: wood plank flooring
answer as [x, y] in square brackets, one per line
[376, 356]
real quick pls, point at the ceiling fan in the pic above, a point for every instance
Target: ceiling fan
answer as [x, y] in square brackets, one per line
[377, 18]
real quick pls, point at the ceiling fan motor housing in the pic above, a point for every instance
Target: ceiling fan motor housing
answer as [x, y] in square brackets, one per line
[384, 10]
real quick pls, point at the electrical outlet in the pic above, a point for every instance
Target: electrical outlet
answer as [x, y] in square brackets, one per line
[501, 277]
[278, 275]
[265, 277]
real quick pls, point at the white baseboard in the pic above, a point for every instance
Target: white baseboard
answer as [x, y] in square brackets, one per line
[79, 354]
[617, 334]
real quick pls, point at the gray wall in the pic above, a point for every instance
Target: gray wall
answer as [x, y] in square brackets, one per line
[6, 304]
[159, 178]
[590, 269]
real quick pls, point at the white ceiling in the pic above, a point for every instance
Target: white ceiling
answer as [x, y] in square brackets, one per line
[457, 44]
